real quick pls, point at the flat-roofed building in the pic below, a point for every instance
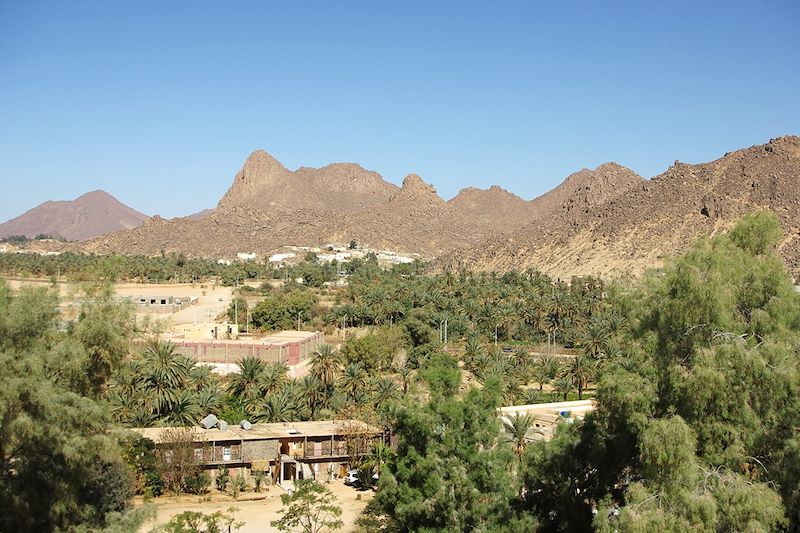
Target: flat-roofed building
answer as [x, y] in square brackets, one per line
[290, 347]
[546, 416]
[287, 451]
[208, 331]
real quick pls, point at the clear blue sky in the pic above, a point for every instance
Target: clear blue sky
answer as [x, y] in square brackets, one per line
[159, 103]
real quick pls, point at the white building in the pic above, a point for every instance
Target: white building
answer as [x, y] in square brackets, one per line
[280, 258]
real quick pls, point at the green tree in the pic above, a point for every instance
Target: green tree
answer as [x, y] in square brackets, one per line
[197, 522]
[60, 467]
[311, 508]
[451, 472]
[237, 312]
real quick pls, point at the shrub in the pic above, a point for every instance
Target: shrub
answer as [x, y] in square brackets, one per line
[223, 477]
[197, 484]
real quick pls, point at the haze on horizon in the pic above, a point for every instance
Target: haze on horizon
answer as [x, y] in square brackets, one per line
[159, 104]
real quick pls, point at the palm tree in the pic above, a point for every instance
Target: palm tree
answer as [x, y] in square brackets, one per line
[481, 365]
[379, 456]
[123, 405]
[246, 382]
[184, 410]
[202, 377]
[519, 361]
[507, 318]
[549, 365]
[313, 394]
[326, 364]
[385, 389]
[353, 381]
[563, 386]
[518, 427]
[276, 408]
[209, 400]
[596, 340]
[141, 417]
[166, 373]
[580, 371]
[273, 378]
[531, 396]
[472, 347]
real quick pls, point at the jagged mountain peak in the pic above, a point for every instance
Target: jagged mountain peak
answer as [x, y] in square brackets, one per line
[416, 189]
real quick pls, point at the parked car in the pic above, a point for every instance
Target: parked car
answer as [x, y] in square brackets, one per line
[351, 478]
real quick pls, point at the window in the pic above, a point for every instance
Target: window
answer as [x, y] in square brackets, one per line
[226, 453]
[198, 454]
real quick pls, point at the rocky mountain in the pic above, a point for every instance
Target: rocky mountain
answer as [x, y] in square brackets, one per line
[586, 189]
[606, 221]
[264, 184]
[626, 233]
[494, 206]
[92, 214]
[415, 219]
[267, 206]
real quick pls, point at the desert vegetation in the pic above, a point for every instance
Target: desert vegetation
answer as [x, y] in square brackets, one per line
[694, 370]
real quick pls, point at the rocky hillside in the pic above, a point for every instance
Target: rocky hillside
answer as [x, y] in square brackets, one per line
[269, 206]
[606, 221]
[265, 185]
[92, 214]
[416, 219]
[494, 206]
[627, 233]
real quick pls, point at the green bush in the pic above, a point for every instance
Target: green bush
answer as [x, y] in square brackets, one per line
[223, 477]
[238, 485]
[197, 484]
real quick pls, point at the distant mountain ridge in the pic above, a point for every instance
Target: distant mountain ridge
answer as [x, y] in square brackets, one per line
[608, 220]
[91, 214]
[268, 206]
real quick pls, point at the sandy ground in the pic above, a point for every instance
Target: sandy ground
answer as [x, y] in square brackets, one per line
[257, 514]
[212, 300]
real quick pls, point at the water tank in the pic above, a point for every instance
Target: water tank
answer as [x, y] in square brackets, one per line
[223, 426]
[245, 425]
[209, 421]
[565, 414]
